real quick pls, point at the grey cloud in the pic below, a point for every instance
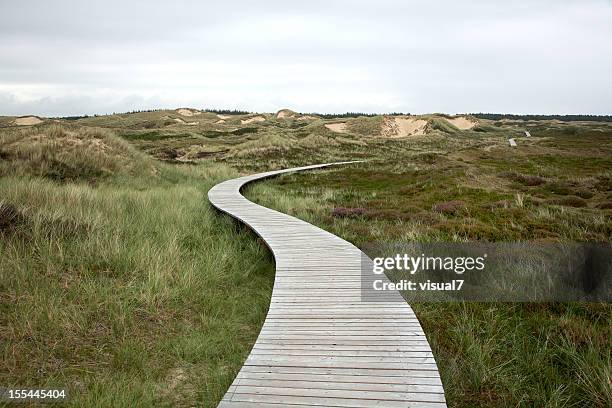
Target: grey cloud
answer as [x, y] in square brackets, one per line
[69, 57]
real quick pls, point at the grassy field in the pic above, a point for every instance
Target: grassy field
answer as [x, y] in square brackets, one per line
[120, 282]
[556, 187]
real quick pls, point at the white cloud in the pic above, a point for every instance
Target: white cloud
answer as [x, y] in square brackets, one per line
[64, 58]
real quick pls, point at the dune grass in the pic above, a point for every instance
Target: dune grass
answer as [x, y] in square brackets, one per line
[489, 354]
[121, 283]
[118, 280]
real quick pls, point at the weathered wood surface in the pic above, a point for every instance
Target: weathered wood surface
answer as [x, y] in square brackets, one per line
[321, 344]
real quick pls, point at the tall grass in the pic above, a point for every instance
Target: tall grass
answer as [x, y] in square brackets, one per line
[61, 153]
[489, 354]
[130, 291]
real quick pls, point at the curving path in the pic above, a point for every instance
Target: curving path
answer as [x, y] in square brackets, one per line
[322, 344]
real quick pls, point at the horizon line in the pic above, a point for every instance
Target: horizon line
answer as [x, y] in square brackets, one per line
[348, 112]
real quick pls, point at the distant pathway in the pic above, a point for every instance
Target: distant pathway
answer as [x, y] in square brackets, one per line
[321, 344]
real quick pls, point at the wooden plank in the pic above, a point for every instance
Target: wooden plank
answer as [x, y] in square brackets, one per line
[366, 372]
[332, 393]
[335, 385]
[339, 378]
[317, 329]
[379, 342]
[343, 347]
[290, 400]
[339, 361]
[348, 363]
[341, 353]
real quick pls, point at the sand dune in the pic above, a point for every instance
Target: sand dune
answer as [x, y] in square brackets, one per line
[462, 122]
[182, 122]
[253, 119]
[223, 117]
[28, 121]
[337, 127]
[402, 127]
[285, 113]
[187, 112]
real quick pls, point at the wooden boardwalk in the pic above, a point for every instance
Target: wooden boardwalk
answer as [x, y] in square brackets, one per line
[321, 344]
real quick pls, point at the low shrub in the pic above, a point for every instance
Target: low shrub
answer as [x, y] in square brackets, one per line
[449, 207]
[569, 201]
[343, 212]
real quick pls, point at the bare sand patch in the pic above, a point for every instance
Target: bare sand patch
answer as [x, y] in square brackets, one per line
[337, 127]
[401, 127]
[28, 121]
[461, 122]
[220, 121]
[285, 113]
[182, 122]
[411, 126]
[223, 117]
[307, 117]
[489, 148]
[253, 119]
[187, 112]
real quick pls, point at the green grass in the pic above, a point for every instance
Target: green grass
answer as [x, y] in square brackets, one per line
[120, 282]
[128, 291]
[489, 354]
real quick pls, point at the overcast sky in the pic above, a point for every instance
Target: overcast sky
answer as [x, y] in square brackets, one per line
[524, 56]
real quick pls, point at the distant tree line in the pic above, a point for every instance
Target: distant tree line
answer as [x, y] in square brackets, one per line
[134, 111]
[565, 118]
[227, 111]
[77, 117]
[351, 114]
[73, 117]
